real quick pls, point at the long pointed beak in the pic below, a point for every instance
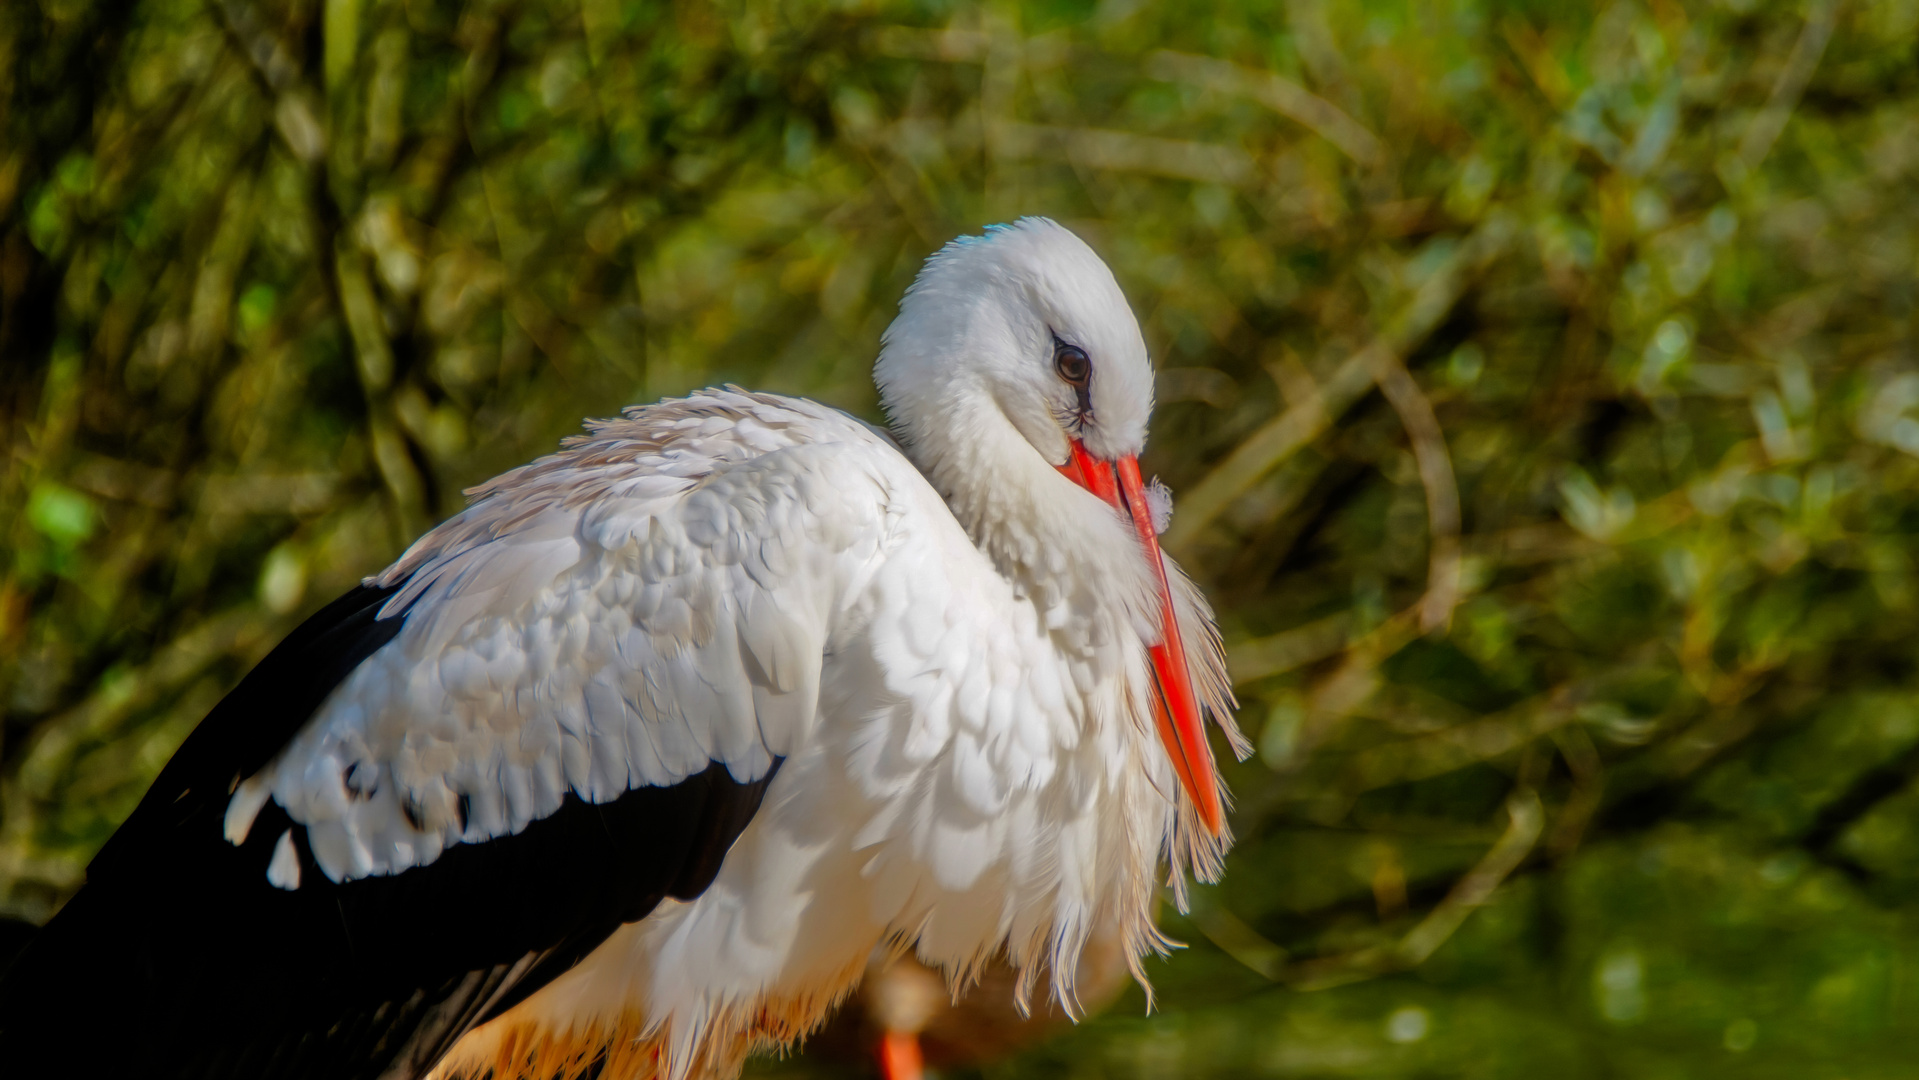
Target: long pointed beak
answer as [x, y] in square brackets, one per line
[1175, 706]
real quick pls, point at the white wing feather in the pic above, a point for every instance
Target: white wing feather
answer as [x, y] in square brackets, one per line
[655, 598]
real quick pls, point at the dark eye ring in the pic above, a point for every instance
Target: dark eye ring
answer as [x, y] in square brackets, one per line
[1072, 364]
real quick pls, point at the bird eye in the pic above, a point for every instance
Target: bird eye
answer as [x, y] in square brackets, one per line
[1071, 363]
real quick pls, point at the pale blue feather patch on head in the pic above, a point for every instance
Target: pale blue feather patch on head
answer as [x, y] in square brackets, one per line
[985, 234]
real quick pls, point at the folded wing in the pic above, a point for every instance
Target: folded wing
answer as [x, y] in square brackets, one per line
[556, 710]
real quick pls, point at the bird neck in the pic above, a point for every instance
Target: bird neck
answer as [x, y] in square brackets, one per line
[1055, 542]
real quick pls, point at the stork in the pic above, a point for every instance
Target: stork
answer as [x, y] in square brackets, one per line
[628, 768]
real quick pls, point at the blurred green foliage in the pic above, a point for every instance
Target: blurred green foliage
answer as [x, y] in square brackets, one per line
[1538, 380]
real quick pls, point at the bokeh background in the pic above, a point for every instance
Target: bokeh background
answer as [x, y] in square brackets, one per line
[1537, 379]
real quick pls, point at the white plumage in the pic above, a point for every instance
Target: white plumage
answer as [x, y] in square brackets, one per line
[943, 649]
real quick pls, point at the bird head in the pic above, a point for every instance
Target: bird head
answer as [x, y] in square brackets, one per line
[1025, 328]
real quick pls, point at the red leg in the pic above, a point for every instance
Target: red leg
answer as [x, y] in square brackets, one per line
[900, 1056]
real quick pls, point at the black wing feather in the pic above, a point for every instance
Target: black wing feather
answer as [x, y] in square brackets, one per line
[179, 959]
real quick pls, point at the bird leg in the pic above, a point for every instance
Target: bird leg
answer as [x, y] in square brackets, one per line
[902, 998]
[900, 1056]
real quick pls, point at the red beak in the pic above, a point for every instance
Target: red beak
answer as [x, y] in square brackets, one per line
[1175, 707]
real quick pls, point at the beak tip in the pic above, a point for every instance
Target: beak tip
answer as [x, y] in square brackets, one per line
[1203, 788]
[1212, 817]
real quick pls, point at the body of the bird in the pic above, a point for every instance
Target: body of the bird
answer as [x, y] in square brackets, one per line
[635, 762]
[796, 594]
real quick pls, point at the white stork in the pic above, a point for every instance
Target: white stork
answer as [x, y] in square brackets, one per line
[629, 767]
